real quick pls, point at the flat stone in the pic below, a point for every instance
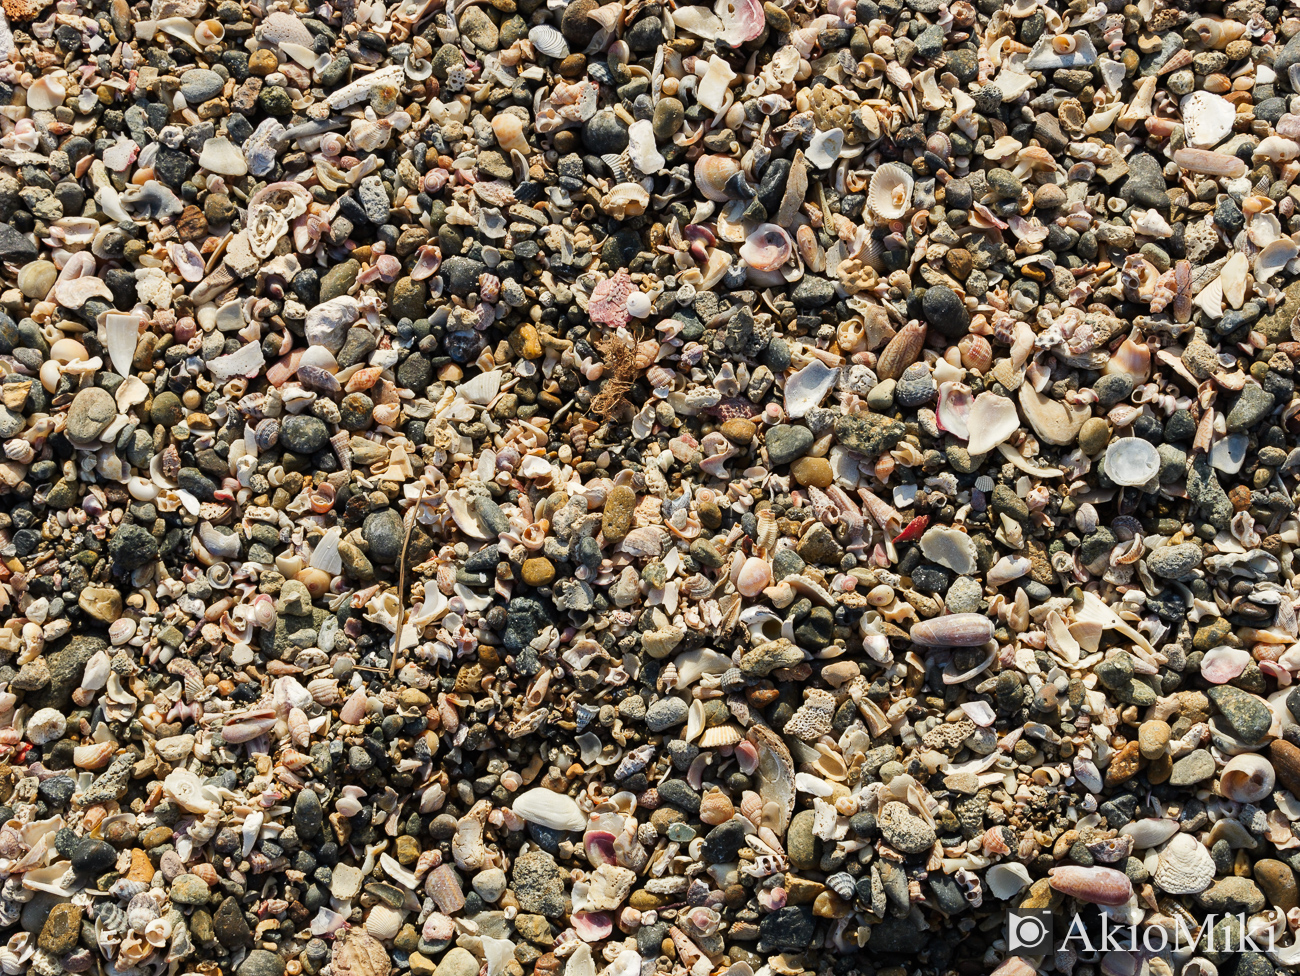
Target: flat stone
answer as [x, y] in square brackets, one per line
[92, 410]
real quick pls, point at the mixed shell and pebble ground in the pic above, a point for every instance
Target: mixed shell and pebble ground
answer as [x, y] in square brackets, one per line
[502, 487]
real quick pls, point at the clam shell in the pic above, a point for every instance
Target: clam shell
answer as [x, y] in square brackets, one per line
[712, 171]
[550, 809]
[890, 193]
[1132, 461]
[1207, 119]
[549, 41]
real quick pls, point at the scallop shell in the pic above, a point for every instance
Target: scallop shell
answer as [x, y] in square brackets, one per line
[890, 194]
[383, 922]
[721, 735]
[1185, 867]
[549, 41]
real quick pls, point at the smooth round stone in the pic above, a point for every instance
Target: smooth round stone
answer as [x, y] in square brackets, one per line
[1093, 436]
[37, 278]
[200, 85]
[538, 571]
[812, 471]
[384, 535]
[303, 435]
[91, 412]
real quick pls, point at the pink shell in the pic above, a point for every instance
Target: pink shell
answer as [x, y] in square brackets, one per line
[599, 846]
[354, 709]
[608, 305]
[1097, 886]
[742, 20]
[746, 756]
[1221, 664]
[592, 926]
[754, 576]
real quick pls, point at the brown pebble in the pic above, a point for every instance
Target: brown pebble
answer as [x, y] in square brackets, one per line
[739, 431]
[538, 571]
[813, 471]
[262, 63]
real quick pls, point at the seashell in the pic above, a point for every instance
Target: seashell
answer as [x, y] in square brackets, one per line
[755, 575]
[711, 92]
[223, 157]
[383, 923]
[953, 630]
[1007, 880]
[123, 335]
[1185, 867]
[157, 932]
[715, 806]
[890, 193]
[1207, 119]
[550, 809]
[712, 171]
[954, 408]
[1054, 51]
[443, 886]
[993, 419]
[1097, 886]
[721, 735]
[949, 546]
[141, 910]
[902, 351]
[825, 147]
[805, 388]
[209, 32]
[624, 200]
[353, 711]
[776, 790]
[1247, 778]
[1150, 831]
[1210, 163]
[1222, 664]
[1132, 461]
[184, 788]
[549, 41]
[47, 92]
[767, 248]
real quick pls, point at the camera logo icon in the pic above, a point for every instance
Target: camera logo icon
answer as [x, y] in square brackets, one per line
[1030, 932]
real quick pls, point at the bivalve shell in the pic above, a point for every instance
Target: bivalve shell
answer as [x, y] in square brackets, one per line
[890, 194]
[1185, 867]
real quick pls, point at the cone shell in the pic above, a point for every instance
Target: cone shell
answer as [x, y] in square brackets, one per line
[1097, 886]
[954, 630]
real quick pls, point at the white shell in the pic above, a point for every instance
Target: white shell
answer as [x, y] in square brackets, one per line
[123, 333]
[1185, 867]
[1062, 51]
[890, 195]
[805, 389]
[222, 156]
[1149, 832]
[1007, 880]
[549, 41]
[1207, 119]
[550, 809]
[992, 420]
[825, 148]
[1247, 778]
[954, 409]
[949, 547]
[1131, 461]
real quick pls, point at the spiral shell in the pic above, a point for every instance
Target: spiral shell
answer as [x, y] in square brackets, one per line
[712, 171]
[1247, 778]
[141, 910]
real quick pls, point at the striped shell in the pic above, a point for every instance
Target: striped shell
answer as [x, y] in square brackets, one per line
[721, 735]
[549, 41]
[383, 922]
[443, 886]
[1185, 867]
[267, 434]
[142, 910]
[842, 884]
